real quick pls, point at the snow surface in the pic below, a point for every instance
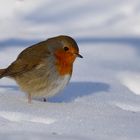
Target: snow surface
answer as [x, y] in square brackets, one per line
[102, 101]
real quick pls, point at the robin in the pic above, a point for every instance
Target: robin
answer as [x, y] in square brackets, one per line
[44, 69]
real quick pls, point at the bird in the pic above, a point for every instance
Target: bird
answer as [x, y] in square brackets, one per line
[44, 69]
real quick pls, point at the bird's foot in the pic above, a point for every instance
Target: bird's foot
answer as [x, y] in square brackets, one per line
[44, 100]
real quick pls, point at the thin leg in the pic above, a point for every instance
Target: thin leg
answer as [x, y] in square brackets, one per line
[29, 98]
[44, 100]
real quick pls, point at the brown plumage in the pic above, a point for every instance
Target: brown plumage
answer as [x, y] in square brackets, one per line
[44, 69]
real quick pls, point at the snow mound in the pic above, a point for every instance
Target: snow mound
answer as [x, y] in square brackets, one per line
[128, 107]
[132, 82]
[22, 117]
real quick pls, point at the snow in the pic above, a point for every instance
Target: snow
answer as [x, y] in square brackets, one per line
[131, 81]
[102, 101]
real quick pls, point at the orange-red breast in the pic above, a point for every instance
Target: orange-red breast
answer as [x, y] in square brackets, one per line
[44, 69]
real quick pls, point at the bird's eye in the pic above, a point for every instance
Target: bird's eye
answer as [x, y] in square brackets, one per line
[66, 48]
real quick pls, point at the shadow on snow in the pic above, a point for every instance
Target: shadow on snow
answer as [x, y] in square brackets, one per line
[73, 90]
[79, 89]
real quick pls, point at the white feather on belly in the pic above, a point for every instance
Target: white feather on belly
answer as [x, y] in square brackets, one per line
[57, 86]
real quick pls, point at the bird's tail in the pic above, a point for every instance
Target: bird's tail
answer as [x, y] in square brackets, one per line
[2, 72]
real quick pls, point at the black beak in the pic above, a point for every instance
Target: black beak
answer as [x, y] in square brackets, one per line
[79, 55]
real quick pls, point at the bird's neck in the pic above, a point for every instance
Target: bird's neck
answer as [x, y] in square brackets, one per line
[64, 64]
[63, 67]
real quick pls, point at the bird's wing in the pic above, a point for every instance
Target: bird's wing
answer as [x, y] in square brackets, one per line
[28, 59]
